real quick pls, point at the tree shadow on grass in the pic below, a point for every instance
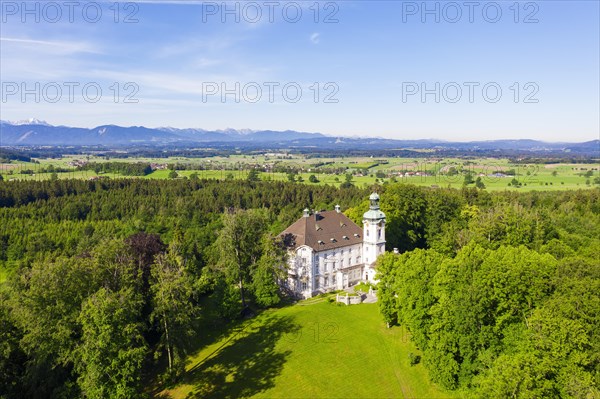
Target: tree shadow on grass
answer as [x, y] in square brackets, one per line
[246, 364]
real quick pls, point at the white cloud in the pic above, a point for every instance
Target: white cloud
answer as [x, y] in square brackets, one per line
[61, 46]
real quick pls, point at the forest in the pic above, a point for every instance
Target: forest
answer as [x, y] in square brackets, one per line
[103, 280]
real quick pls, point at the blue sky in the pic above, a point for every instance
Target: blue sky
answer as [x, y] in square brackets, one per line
[369, 61]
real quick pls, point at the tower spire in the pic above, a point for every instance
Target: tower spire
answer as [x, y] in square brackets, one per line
[374, 199]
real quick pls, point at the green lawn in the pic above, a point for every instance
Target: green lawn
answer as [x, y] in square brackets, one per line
[320, 350]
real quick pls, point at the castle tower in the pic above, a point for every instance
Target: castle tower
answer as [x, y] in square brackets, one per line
[373, 236]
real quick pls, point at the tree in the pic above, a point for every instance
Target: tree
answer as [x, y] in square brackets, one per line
[112, 346]
[313, 179]
[12, 358]
[387, 302]
[45, 304]
[270, 272]
[144, 248]
[479, 183]
[554, 353]
[173, 174]
[237, 246]
[347, 181]
[404, 206]
[414, 292]
[172, 309]
[468, 179]
[356, 213]
[480, 300]
[253, 175]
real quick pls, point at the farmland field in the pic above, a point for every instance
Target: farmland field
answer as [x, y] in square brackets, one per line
[495, 174]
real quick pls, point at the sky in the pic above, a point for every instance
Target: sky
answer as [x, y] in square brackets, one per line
[455, 71]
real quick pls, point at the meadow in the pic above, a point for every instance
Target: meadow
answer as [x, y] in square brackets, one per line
[312, 349]
[495, 174]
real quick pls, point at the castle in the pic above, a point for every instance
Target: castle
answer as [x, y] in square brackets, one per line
[328, 251]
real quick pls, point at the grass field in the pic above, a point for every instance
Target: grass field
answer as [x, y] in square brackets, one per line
[313, 349]
[421, 172]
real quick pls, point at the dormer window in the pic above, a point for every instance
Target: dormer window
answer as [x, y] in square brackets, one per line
[345, 237]
[321, 242]
[333, 240]
[356, 235]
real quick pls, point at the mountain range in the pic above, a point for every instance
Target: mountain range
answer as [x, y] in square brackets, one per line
[34, 132]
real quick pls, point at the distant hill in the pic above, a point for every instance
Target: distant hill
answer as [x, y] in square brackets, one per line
[41, 133]
[34, 132]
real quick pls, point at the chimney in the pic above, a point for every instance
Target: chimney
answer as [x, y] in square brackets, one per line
[338, 209]
[306, 213]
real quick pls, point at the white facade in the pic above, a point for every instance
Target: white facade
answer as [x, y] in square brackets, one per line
[313, 271]
[373, 236]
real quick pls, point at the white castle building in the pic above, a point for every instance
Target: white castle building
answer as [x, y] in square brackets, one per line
[328, 251]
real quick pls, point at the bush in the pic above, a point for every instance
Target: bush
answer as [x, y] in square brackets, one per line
[414, 359]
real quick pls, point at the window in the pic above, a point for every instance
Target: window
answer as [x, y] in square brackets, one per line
[325, 267]
[378, 233]
[333, 280]
[304, 286]
[317, 283]
[334, 265]
[342, 263]
[317, 269]
[367, 232]
[326, 281]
